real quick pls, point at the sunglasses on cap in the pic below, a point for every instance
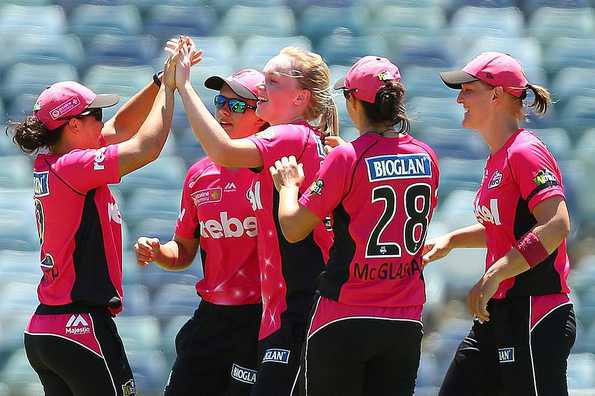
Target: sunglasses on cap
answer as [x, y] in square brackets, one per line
[96, 113]
[347, 92]
[234, 105]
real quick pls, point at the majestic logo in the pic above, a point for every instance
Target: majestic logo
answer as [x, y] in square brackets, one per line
[243, 374]
[276, 355]
[506, 355]
[41, 186]
[208, 195]
[407, 166]
[253, 195]
[77, 325]
[488, 215]
[316, 187]
[129, 388]
[543, 177]
[496, 180]
[99, 158]
[229, 187]
[113, 212]
[64, 108]
[228, 227]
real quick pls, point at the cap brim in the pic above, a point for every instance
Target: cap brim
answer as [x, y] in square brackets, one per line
[216, 83]
[454, 79]
[340, 84]
[105, 100]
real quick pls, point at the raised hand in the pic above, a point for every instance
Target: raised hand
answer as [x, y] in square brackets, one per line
[287, 173]
[330, 142]
[147, 250]
[188, 56]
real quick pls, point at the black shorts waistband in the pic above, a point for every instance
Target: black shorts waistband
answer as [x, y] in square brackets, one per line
[206, 307]
[76, 307]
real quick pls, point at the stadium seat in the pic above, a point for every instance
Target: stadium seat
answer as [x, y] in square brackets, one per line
[218, 51]
[398, 21]
[188, 148]
[344, 49]
[18, 298]
[529, 6]
[154, 203]
[41, 48]
[578, 115]
[121, 80]
[424, 51]
[139, 333]
[18, 265]
[20, 107]
[170, 330]
[424, 81]
[15, 173]
[438, 112]
[223, 5]
[150, 371]
[547, 24]
[118, 50]
[46, 19]
[257, 50]
[175, 300]
[88, 20]
[165, 172]
[457, 209]
[314, 21]
[581, 371]
[167, 21]
[154, 277]
[459, 174]
[570, 52]
[573, 81]
[470, 22]
[557, 141]
[136, 300]
[454, 143]
[33, 78]
[19, 375]
[241, 22]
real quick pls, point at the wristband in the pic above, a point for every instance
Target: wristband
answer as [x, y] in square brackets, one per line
[157, 78]
[531, 248]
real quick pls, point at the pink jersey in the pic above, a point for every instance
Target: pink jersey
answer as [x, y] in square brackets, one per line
[215, 209]
[79, 226]
[382, 193]
[517, 177]
[288, 271]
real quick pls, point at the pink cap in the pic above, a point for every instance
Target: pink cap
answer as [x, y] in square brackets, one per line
[244, 83]
[367, 76]
[67, 99]
[493, 68]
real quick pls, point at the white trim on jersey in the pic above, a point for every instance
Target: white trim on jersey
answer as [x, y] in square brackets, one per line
[65, 338]
[549, 312]
[531, 348]
[103, 357]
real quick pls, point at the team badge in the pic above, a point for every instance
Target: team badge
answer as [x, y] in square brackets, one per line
[316, 187]
[496, 180]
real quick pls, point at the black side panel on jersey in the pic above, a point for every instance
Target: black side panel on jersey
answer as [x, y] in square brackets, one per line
[301, 263]
[92, 283]
[541, 279]
[341, 255]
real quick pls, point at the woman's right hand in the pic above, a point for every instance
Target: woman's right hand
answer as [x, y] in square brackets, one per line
[330, 142]
[436, 248]
[147, 250]
[188, 56]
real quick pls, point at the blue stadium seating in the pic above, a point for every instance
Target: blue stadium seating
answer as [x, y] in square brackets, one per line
[33, 78]
[314, 21]
[167, 21]
[470, 22]
[569, 52]
[119, 50]
[45, 19]
[242, 21]
[88, 20]
[344, 49]
[257, 50]
[547, 23]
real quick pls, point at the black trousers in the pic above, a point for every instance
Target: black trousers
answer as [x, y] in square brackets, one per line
[503, 357]
[216, 352]
[362, 356]
[69, 363]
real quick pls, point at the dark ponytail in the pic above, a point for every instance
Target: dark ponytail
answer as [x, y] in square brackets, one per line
[30, 134]
[389, 107]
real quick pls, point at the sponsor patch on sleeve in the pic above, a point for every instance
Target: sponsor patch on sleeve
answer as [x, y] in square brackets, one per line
[406, 166]
[276, 355]
[545, 177]
[506, 355]
[316, 187]
[41, 186]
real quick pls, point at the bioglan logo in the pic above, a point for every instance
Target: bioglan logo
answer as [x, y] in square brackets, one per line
[390, 167]
[41, 186]
[276, 355]
[243, 374]
[506, 355]
[77, 325]
[99, 158]
[228, 227]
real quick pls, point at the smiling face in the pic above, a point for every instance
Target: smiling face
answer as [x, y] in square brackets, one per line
[238, 125]
[477, 100]
[280, 99]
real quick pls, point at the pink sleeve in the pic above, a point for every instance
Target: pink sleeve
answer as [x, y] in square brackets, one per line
[187, 225]
[276, 142]
[331, 183]
[85, 170]
[536, 173]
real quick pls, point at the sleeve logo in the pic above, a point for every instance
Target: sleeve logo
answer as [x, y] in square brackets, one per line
[496, 180]
[99, 158]
[276, 355]
[207, 196]
[316, 187]
[543, 177]
[41, 187]
[407, 166]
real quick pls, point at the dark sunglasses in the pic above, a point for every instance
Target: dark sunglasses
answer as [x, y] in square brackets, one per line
[96, 113]
[234, 105]
[347, 92]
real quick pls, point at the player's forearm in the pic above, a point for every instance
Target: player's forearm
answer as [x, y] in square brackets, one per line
[205, 127]
[289, 214]
[173, 257]
[131, 115]
[468, 237]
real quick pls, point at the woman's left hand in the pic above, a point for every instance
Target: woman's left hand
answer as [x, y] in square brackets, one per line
[480, 294]
[287, 172]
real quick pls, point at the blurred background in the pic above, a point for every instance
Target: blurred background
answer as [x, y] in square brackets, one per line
[115, 46]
